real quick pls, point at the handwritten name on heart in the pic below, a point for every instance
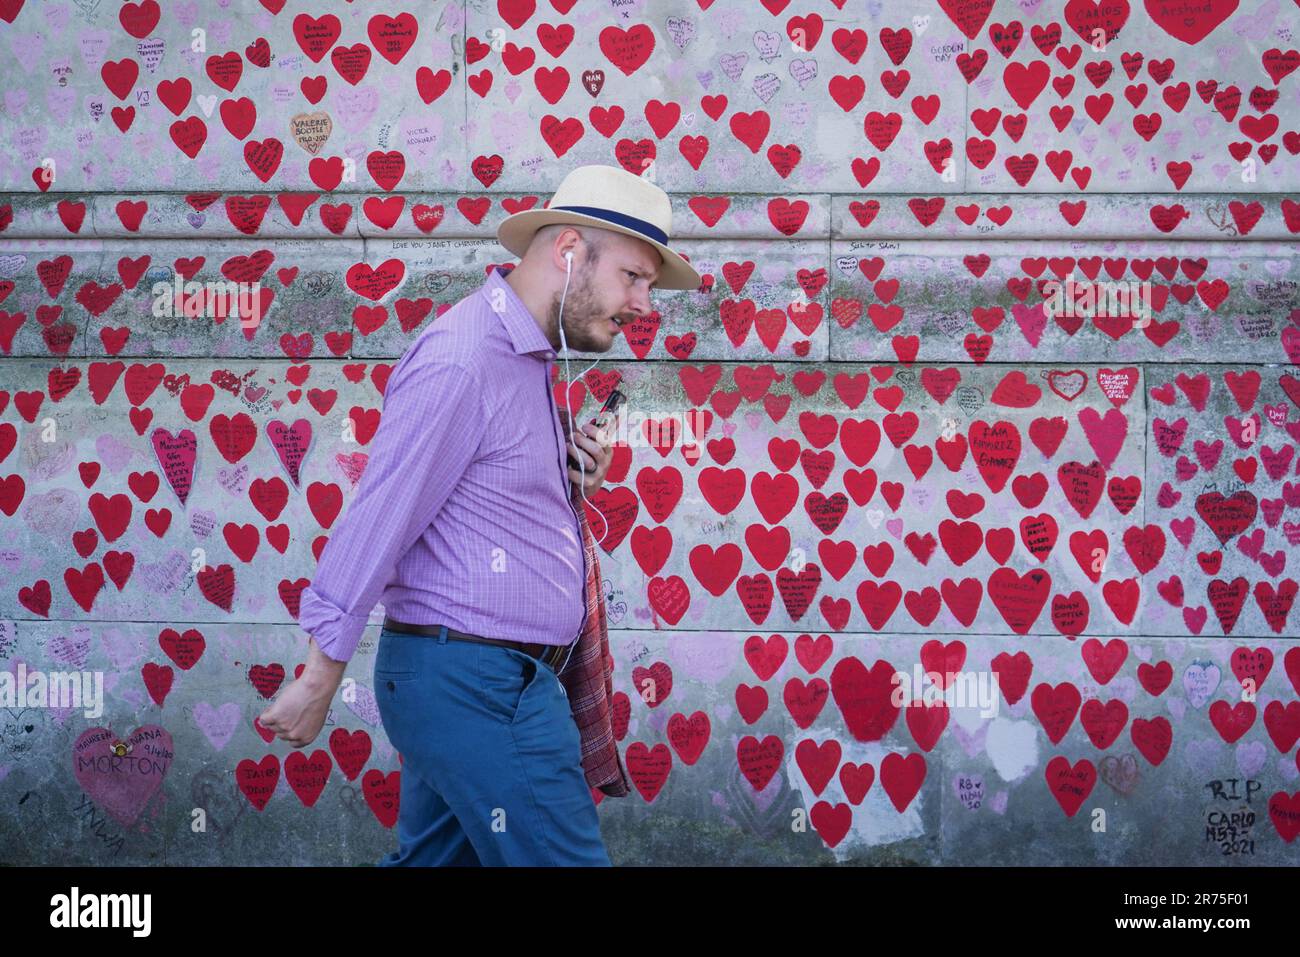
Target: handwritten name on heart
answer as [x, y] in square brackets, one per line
[122, 775]
[176, 456]
[1229, 515]
[291, 443]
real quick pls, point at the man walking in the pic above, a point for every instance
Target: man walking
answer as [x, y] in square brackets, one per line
[490, 671]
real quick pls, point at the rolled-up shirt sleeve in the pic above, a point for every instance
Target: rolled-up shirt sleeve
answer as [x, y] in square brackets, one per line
[425, 441]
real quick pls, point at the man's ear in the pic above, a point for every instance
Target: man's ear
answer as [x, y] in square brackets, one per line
[577, 237]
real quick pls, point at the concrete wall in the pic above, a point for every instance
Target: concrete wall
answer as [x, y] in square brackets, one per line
[870, 351]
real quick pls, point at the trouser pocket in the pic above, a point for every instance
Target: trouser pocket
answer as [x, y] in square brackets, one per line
[393, 658]
[505, 675]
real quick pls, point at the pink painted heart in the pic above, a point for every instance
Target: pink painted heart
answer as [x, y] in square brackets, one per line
[176, 456]
[71, 651]
[217, 724]
[352, 465]
[706, 662]
[1291, 343]
[1032, 321]
[1105, 433]
[121, 776]
[291, 444]
[1183, 529]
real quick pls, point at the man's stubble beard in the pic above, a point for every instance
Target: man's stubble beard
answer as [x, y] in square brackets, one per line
[578, 311]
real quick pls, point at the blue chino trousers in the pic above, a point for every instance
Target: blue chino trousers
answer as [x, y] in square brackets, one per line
[491, 757]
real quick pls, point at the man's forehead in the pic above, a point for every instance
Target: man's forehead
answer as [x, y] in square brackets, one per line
[646, 256]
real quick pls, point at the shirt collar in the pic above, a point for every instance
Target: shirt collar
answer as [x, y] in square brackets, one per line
[525, 334]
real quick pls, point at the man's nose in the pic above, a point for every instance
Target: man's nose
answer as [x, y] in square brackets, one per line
[640, 304]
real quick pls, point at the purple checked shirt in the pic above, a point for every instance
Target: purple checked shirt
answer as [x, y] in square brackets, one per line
[462, 516]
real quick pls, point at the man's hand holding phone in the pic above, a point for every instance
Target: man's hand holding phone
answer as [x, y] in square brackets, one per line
[591, 447]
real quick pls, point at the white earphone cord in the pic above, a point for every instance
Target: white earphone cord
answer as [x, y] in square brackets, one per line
[564, 347]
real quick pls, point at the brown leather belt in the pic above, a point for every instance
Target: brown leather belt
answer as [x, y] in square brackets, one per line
[549, 654]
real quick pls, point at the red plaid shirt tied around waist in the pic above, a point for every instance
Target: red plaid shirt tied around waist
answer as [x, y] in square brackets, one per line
[587, 676]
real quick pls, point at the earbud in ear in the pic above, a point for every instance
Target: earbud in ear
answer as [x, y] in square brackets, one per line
[569, 255]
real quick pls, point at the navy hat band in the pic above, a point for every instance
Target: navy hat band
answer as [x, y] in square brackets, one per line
[620, 219]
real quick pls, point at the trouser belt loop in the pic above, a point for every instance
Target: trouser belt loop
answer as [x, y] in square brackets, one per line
[442, 634]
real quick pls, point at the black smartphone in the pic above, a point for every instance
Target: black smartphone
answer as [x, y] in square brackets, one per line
[609, 411]
[607, 414]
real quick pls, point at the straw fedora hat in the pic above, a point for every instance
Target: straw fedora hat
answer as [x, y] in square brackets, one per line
[607, 197]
